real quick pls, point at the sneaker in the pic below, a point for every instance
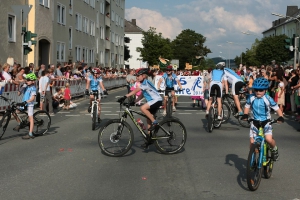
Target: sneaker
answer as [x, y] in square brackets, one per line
[164, 113]
[99, 120]
[90, 109]
[219, 118]
[51, 114]
[26, 137]
[17, 128]
[275, 155]
[153, 126]
[174, 108]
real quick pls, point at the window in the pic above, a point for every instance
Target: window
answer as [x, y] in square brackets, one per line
[78, 53]
[71, 7]
[102, 8]
[60, 51]
[45, 3]
[11, 28]
[70, 38]
[61, 15]
[101, 32]
[97, 19]
[85, 25]
[78, 22]
[91, 53]
[101, 57]
[112, 36]
[113, 16]
[92, 3]
[92, 28]
[87, 60]
[117, 19]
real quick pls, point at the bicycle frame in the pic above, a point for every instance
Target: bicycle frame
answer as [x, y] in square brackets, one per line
[95, 94]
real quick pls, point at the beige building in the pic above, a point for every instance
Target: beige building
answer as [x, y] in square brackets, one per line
[67, 31]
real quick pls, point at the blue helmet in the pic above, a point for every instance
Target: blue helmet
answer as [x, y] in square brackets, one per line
[261, 83]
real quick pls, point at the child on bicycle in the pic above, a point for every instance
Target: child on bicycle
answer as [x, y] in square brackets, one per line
[170, 80]
[261, 104]
[29, 100]
[153, 98]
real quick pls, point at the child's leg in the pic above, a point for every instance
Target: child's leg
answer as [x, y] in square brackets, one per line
[31, 124]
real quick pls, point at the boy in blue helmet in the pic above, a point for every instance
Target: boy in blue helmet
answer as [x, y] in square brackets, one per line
[260, 103]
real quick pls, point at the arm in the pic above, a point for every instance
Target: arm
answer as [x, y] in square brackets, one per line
[102, 86]
[226, 86]
[159, 82]
[133, 92]
[178, 82]
[87, 86]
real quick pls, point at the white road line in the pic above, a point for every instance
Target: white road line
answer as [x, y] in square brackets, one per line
[192, 110]
[72, 115]
[105, 107]
[184, 113]
[63, 112]
[105, 111]
[111, 114]
[87, 114]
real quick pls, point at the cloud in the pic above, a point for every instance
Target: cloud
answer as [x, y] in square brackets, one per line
[170, 27]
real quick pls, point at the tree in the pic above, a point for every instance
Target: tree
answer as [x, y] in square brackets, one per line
[272, 48]
[154, 46]
[187, 45]
[206, 64]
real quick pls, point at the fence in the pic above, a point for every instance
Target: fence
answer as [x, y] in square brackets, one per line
[77, 87]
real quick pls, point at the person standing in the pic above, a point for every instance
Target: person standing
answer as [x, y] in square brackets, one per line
[130, 78]
[67, 96]
[46, 97]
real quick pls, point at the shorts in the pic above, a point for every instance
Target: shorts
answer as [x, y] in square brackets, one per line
[30, 110]
[67, 102]
[216, 88]
[154, 107]
[168, 90]
[97, 93]
[236, 87]
[206, 94]
[268, 130]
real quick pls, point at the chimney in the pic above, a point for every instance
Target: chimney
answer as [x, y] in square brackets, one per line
[291, 10]
[133, 21]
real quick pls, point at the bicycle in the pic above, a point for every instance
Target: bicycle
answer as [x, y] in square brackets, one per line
[42, 119]
[169, 108]
[229, 108]
[212, 119]
[116, 137]
[259, 158]
[94, 108]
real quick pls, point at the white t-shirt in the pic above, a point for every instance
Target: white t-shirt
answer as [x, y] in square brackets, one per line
[43, 82]
[6, 75]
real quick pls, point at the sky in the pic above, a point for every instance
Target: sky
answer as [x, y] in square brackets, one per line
[220, 21]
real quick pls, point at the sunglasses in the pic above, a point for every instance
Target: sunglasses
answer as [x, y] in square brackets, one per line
[258, 90]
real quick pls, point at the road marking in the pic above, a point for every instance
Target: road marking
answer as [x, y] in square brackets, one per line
[105, 111]
[87, 114]
[63, 112]
[184, 113]
[111, 114]
[191, 110]
[72, 115]
[105, 107]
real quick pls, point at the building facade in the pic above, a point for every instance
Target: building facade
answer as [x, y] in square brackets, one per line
[91, 31]
[135, 34]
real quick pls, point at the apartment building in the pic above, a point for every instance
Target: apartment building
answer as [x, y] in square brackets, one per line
[91, 31]
[135, 34]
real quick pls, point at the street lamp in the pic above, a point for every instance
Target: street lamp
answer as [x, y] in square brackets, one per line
[285, 16]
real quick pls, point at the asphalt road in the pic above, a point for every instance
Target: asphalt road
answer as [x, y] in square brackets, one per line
[67, 163]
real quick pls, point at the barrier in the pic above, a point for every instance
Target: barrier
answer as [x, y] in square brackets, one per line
[77, 87]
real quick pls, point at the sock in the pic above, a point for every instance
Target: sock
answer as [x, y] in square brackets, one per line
[275, 148]
[154, 122]
[30, 134]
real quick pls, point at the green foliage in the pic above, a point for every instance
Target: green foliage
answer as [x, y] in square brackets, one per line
[187, 45]
[206, 64]
[126, 53]
[154, 46]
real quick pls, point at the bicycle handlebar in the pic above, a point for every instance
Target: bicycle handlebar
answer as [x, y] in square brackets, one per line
[273, 121]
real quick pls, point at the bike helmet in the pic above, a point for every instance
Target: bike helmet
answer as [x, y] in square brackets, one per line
[260, 83]
[30, 77]
[141, 71]
[169, 68]
[96, 71]
[220, 65]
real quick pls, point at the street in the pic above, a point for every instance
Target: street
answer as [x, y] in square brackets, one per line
[67, 163]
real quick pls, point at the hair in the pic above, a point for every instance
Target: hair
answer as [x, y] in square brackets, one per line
[67, 85]
[57, 89]
[6, 65]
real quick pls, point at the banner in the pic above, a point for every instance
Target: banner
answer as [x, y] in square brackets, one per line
[191, 85]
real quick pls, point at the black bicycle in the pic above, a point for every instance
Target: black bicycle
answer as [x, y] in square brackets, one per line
[229, 108]
[116, 136]
[42, 119]
[212, 118]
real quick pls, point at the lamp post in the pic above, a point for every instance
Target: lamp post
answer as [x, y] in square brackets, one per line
[295, 49]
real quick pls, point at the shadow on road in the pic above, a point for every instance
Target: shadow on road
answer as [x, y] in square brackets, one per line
[239, 164]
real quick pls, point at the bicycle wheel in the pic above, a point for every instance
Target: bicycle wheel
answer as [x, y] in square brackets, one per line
[268, 168]
[210, 119]
[169, 108]
[42, 122]
[253, 170]
[244, 123]
[217, 123]
[226, 112]
[4, 123]
[171, 141]
[94, 118]
[115, 138]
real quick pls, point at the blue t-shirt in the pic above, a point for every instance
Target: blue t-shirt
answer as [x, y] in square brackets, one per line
[94, 82]
[170, 81]
[28, 93]
[217, 75]
[261, 107]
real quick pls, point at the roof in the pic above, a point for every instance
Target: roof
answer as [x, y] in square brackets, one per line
[131, 27]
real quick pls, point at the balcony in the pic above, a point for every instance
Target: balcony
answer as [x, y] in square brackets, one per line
[108, 1]
[107, 21]
[107, 44]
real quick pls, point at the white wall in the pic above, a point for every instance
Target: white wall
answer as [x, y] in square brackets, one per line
[135, 41]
